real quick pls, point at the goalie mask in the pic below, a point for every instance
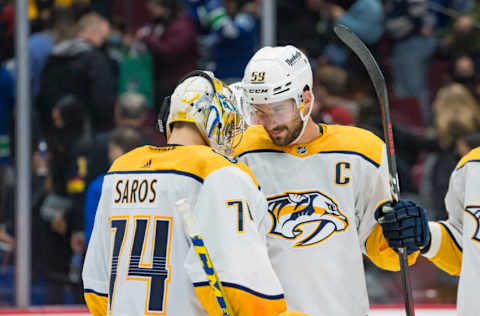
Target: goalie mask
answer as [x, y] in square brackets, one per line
[274, 75]
[208, 103]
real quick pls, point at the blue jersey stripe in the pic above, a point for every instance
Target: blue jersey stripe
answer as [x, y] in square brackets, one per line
[350, 153]
[260, 151]
[182, 173]
[321, 152]
[245, 289]
[94, 292]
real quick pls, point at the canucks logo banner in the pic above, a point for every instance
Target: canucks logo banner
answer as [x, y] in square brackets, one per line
[474, 211]
[306, 217]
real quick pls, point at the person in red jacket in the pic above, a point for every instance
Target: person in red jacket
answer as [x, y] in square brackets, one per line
[171, 36]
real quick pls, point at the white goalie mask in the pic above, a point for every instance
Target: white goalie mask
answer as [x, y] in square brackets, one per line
[276, 74]
[210, 104]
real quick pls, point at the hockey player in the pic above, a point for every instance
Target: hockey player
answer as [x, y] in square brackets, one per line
[324, 184]
[455, 243]
[139, 261]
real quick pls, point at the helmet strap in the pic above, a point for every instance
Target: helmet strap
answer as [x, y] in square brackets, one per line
[304, 120]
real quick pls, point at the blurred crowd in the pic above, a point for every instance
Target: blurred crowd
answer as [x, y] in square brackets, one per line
[100, 69]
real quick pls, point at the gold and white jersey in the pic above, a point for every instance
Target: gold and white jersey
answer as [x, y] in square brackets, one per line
[455, 243]
[139, 260]
[322, 197]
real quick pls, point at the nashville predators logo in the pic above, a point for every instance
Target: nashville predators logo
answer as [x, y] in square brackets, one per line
[474, 210]
[309, 217]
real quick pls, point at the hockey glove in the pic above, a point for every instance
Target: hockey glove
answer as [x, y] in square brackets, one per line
[404, 225]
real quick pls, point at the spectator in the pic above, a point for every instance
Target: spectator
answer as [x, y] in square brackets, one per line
[331, 106]
[122, 140]
[133, 13]
[308, 27]
[41, 44]
[462, 39]
[7, 211]
[171, 36]
[236, 40]
[231, 38]
[79, 67]
[463, 72]
[446, 10]
[410, 26]
[57, 211]
[130, 111]
[135, 66]
[40, 14]
[364, 17]
[91, 159]
[454, 103]
[456, 114]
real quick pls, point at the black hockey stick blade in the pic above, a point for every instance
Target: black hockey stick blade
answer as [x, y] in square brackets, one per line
[361, 50]
[358, 47]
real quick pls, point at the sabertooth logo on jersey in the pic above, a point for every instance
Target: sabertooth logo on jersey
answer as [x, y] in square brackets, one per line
[309, 217]
[474, 210]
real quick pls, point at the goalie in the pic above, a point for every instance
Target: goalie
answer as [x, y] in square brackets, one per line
[139, 262]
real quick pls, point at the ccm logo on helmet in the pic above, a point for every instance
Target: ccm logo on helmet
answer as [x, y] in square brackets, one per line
[257, 90]
[292, 60]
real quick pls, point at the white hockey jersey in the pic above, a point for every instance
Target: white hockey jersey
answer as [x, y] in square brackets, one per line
[321, 200]
[455, 243]
[139, 260]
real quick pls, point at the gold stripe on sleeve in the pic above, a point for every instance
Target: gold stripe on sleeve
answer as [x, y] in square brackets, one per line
[382, 255]
[97, 304]
[449, 256]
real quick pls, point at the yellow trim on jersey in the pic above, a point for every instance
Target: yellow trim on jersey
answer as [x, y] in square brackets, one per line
[97, 304]
[243, 303]
[449, 256]
[334, 138]
[381, 254]
[474, 154]
[197, 160]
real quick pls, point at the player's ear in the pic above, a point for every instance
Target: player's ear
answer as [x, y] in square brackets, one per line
[307, 100]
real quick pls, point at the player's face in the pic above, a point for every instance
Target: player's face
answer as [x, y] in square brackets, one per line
[281, 120]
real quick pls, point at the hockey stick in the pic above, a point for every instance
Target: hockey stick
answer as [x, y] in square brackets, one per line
[359, 48]
[183, 208]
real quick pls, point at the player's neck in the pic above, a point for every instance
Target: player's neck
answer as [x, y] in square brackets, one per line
[186, 134]
[312, 131]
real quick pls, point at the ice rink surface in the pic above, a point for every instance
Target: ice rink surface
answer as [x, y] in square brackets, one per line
[431, 310]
